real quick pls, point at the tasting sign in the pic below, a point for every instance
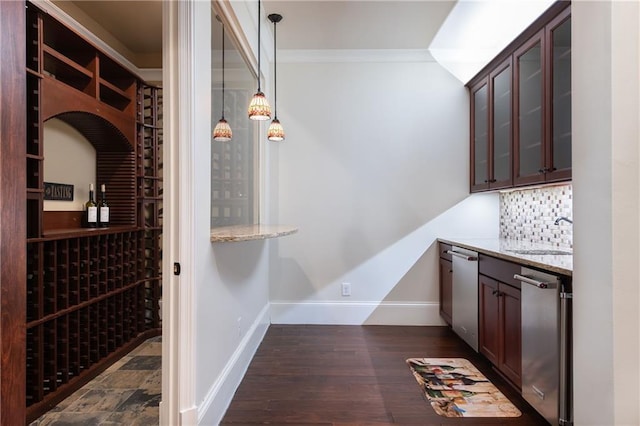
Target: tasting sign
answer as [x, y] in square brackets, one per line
[58, 191]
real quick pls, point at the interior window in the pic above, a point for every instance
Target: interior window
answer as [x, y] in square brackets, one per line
[234, 163]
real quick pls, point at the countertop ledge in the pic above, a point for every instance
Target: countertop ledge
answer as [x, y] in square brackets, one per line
[230, 234]
[503, 249]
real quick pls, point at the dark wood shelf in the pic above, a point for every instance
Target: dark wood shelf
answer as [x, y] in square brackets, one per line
[92, 293]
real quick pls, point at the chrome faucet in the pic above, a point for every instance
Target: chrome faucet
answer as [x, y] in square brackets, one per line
[560, 219]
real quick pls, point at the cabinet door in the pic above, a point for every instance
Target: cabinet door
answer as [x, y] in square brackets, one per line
[446, 290]
[488, 327]
[529, 91]
[500, 135]
[480, 136]
[558, 154]
[510, 329]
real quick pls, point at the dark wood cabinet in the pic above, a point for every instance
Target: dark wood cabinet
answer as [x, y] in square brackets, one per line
[521, 108]
[91, 295]
[488, 323]
[558, 89]
[446, 283]
[480, 135]
[499, 317]
[543, 107]
[491, 130]
[529, 100]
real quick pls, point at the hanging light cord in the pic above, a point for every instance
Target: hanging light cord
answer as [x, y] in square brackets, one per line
[259, 46]
[223, 71]
[275, 74]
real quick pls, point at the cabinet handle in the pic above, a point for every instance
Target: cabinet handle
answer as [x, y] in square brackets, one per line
[494, 293]
[463, 256]
[542, 170]
[534, 282]
[492, 180]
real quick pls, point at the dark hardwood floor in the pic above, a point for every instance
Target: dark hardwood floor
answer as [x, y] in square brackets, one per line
[352, 375]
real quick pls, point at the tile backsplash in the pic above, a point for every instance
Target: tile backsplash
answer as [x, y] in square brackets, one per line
[529, 215]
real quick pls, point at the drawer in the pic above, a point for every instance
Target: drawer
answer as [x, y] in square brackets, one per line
[498, 269]
[443, 251]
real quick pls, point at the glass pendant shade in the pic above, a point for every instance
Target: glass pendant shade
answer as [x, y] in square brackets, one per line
[276, 132]
[259, 108]
[222, 131]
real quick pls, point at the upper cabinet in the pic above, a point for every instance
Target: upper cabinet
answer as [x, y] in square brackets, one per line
[521, 108]
[491, 141]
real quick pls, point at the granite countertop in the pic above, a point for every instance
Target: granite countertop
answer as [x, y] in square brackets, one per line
[229, 234]
[504, 249]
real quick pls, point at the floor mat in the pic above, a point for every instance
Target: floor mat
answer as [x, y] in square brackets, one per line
[455, 388]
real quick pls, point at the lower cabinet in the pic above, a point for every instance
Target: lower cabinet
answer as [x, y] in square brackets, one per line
[446, 284]
[500, 325]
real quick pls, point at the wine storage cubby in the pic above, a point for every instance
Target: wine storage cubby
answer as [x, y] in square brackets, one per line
[92, 295]
[87, 297]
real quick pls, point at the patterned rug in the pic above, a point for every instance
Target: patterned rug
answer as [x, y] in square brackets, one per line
[455, 388]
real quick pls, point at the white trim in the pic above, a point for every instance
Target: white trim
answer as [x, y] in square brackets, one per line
[359, 55]
[220, 394]
[169, 413]
[193, 18]
[356, 313]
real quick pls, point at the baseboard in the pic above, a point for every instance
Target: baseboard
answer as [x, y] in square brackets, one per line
[217, 400]
[356, 313]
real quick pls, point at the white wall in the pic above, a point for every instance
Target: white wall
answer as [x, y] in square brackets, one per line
[606, 66]
[71, 159]
[222, 291]
[374, 168]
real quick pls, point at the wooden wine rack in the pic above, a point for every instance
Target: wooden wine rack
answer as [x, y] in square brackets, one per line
[92, 295]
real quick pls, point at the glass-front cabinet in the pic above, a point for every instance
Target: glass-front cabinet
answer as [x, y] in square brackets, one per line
[480, 136]
[491, 130]
[501, 132]
[543, 107]
[529, 88]
[559, 91]
[521, 108]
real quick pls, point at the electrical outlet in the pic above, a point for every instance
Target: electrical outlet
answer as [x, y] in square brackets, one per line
[346, 289]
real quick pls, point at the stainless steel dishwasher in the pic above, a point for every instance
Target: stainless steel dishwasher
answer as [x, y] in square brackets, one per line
[464, 312]
[546, 354]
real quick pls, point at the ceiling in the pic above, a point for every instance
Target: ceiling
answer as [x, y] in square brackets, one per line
[307, 24]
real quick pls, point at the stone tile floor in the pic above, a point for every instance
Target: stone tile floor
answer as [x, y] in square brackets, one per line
[127, 393]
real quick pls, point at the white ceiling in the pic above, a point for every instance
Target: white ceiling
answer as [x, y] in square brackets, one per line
[353, 24]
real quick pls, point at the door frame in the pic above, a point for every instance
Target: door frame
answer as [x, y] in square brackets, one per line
[186, 65]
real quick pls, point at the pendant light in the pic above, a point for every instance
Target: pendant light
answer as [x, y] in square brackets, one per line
[259, 108]
[276, 132]
[222, 132]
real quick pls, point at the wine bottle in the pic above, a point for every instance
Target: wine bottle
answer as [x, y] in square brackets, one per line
[91, 210]
[103, 208]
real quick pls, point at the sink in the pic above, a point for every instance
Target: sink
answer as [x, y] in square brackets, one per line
[543, 252]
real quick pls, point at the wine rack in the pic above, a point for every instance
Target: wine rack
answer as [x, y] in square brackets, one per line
[92, 295]
[149, 185]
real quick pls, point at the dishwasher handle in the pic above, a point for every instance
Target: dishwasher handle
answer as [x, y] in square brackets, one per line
[534, 282]
[461, 255]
